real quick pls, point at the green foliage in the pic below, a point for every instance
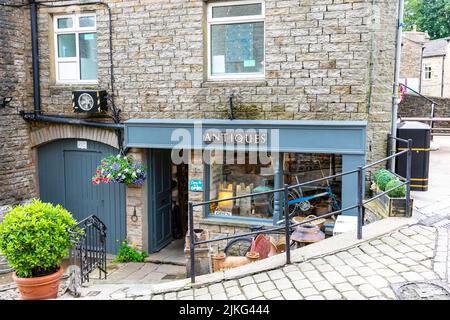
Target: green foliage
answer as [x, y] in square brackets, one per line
[382, 177]
[397, 193]
[130, 254]
[432, 16]
[34, 238]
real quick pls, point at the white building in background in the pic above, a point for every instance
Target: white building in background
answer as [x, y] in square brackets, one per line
[435, 79]
[413, 43]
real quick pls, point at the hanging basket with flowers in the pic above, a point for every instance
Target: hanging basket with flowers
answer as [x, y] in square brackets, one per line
[119, 169]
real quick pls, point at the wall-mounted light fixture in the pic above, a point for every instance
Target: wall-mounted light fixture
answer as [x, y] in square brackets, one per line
[5, 101]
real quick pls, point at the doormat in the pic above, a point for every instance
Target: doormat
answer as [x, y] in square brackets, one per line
[421, 290]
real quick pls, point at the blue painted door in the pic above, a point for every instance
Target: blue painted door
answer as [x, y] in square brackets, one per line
[160, 193]
[65, 174]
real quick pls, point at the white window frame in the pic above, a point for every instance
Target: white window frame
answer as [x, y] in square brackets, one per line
[228, 20]
[425, 72]
[77, 30]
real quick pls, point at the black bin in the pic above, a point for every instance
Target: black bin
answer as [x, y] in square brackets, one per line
[420, 133]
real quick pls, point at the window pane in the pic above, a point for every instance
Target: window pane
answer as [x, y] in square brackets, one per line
[64, 23]
[237, 48]
[228, 180]
[237, 11]
[88, 56]
[66, 45]
[67, 71]
[87, 22]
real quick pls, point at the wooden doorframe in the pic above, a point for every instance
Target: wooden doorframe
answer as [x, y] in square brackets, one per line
[152, 200]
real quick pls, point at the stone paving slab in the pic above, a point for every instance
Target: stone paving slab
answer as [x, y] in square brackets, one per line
[366, 271]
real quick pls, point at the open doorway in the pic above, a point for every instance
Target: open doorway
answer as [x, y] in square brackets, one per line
[168, 207]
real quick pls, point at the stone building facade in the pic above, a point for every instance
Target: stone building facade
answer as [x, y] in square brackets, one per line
[413, 43]
[324, 60]
[436, 64]
[424, 64]
[17, 169]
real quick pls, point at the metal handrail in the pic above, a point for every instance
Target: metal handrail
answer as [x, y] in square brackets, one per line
[419, 94]
[88, 247]
[433, 103]
[360, 205]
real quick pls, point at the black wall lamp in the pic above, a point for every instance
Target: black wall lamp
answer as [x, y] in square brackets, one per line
[5, 101]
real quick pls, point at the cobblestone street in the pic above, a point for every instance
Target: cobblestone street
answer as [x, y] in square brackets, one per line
[415, 253]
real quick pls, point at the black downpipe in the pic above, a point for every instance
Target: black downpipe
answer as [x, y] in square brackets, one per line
[35, 57]
[37, 114]
[30, 116]
[443, 76]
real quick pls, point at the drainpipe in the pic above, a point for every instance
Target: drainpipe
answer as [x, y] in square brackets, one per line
[32, 116]
[37, 114]
[421, 68]
[442, 76]
[398, 51]
[35, 57]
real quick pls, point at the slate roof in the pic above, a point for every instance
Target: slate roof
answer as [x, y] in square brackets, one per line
[436, 47]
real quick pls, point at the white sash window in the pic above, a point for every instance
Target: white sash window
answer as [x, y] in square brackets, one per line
[75, 48]
[236, 40]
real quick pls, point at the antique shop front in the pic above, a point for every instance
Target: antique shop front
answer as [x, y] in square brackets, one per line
[197, 160]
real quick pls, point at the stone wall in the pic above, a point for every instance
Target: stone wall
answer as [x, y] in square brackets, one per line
[325, 59]
[318, 63]
[382, 25]
[415, 106]
[136, 208]
[16, 162]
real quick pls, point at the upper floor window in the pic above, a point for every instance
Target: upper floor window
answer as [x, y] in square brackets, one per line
[427, 73]
[75, 48]
[236, 40]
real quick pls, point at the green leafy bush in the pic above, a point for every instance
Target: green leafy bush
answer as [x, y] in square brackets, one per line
[379, 172]
[130, 254]
[382, 177]
[34, 238]
[396, 193]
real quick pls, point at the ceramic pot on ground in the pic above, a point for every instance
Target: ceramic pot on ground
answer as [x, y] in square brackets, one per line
[221, 261]
[39, 288]
[307, 233]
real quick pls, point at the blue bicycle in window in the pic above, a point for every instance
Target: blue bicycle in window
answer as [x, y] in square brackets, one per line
[298, 202]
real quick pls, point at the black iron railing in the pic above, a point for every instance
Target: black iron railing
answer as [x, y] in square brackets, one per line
[360, 205]
[432, 111]
[88, 247]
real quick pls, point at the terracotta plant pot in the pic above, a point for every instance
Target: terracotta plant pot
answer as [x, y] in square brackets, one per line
[273, 247]
[39, 288]
[221, 261]
[252, 256]
[217, 261]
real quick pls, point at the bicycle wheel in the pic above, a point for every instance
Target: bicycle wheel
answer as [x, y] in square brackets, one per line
[238, 247]
[293, 208]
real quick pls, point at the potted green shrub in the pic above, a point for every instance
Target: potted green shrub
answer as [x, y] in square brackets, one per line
[392, 203]
[34, 238]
